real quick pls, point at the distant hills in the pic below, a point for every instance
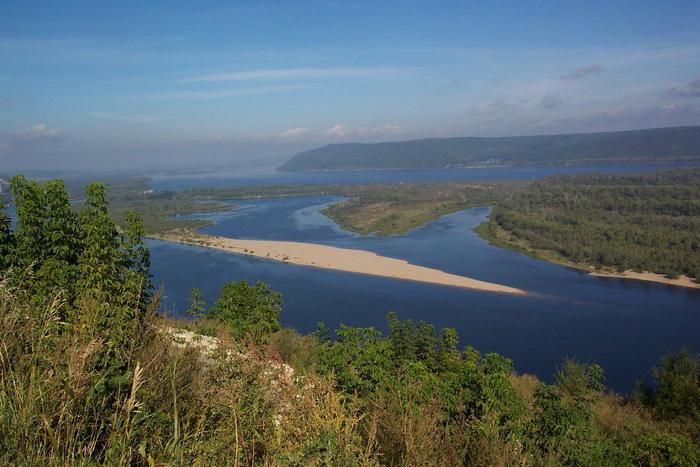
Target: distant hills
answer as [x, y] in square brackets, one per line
[658, 144]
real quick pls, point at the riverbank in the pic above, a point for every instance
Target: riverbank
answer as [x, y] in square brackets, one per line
[500, 238]
[339, 259]
[681, 281]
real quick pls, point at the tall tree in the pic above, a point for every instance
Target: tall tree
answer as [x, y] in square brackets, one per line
[136, 259]
[62, 240]
[29, 235]
[198, 306]
[98, 262]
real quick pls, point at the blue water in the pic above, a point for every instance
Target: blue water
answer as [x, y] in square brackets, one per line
[269, 176]
[626, 326]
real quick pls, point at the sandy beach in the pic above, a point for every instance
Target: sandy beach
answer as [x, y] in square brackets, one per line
[339, 259]
[682, 281]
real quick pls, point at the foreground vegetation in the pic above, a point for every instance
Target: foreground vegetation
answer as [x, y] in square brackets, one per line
[91, 374]
[642, 222]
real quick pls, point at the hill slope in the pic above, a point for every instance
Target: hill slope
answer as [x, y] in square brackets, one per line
[659, 144]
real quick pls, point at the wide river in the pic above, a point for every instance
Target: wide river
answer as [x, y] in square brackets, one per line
[624, 325]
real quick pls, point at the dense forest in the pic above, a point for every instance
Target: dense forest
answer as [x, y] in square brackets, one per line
[659, 144]
[644, 222]
[92, 372]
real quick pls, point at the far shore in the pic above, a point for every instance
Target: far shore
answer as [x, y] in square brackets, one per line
[681, 281]
[550, 257]
[340, 259]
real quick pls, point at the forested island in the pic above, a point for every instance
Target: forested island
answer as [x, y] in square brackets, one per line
[92, 373]
[652, 145]
[606, 223]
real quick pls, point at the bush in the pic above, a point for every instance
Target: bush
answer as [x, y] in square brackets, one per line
[249, 311]
[678, 392]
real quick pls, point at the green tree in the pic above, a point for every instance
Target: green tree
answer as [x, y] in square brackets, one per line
[579, 379]
[62, 241]
[99, 259]
[322, 333]
[678, 380]
[136, 260]
[198, 307]
[360, 359]
[107, 291]
[556, 422]
[30, 238]
[249, 311]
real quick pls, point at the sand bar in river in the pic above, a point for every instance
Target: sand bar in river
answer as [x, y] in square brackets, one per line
[340, 259]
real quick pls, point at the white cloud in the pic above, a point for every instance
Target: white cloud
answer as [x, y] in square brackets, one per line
[295, 73]
[341, 131]
[34, 137]
[296, 133]
[38, 132]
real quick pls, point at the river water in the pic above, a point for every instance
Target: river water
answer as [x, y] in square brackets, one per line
[626, 326]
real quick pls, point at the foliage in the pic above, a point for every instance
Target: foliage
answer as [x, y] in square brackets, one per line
[198, 307]
[578, 380]
[90, 375]
[249, 311]
[677, 392]
[648, 222]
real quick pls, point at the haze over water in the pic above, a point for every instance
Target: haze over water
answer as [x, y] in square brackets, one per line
[270, 176]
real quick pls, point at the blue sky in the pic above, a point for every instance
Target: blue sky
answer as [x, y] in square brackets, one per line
[156, 84]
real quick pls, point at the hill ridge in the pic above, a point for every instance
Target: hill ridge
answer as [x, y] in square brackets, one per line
[655, 144]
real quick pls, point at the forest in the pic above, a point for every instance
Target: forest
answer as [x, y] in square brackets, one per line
[643, 222]
[92, 372]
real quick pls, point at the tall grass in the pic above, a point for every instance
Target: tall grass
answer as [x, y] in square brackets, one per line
[154, 402]
[61, 405]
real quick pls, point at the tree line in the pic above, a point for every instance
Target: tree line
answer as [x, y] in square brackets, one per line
[644, 222]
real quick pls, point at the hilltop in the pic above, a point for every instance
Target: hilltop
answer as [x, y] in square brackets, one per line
[651, 145]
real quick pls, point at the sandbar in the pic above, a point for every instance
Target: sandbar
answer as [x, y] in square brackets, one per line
[339, 259]
[682, 281]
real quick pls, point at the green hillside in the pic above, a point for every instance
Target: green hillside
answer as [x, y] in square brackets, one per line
[91, 374]
[659, 144]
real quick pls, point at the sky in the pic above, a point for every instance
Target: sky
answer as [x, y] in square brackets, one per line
[149, 85]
